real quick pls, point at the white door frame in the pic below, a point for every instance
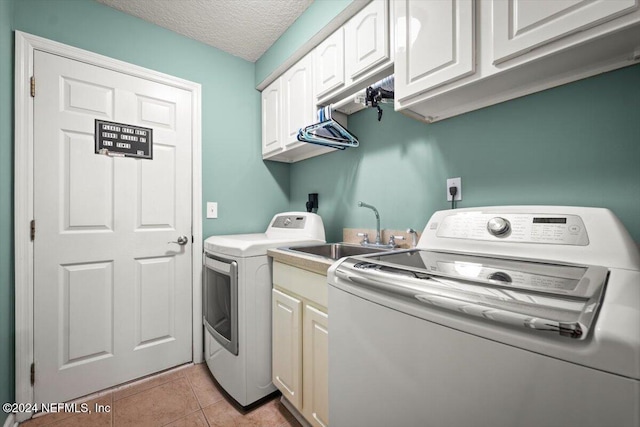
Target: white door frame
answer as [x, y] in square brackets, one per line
[25, 45]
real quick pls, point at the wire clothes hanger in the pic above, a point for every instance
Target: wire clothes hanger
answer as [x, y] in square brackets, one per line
[328, 132]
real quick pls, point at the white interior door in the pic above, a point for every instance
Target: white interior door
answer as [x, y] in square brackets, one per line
[112, 298]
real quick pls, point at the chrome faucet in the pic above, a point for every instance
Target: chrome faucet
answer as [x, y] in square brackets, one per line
[378, 241]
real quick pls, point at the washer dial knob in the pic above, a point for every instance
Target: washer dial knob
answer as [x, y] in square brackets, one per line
[498, 226]
[287, 222]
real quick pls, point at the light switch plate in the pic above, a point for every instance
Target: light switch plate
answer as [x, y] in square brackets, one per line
[212, 209]
[454, 182]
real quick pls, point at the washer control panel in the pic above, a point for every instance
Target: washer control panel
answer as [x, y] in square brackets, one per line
[289, 221]
[517, 228]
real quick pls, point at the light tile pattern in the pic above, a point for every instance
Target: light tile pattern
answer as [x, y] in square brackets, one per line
[179, 398]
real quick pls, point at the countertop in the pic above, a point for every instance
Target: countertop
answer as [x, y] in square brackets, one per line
[310, 263]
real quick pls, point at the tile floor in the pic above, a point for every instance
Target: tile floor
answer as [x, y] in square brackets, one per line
[179, 398]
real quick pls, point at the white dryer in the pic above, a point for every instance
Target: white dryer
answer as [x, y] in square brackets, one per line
[237, 302]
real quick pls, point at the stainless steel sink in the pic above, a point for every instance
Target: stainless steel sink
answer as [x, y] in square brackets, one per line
[335, 250]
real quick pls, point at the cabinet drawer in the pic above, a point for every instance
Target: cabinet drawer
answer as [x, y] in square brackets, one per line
[311, 286]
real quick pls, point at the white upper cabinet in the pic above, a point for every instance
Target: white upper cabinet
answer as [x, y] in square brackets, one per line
[288, 104]
[435, 44]
[522, 25]
[329, 63]
[357, 55]
[367, 39]
[455, 56]
[298, 106]
[272, 118]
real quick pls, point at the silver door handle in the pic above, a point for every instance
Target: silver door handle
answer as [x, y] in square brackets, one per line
[182, 240]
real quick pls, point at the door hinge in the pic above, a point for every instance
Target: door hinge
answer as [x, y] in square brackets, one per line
[33, 230]
[33, 373]
[33, 86]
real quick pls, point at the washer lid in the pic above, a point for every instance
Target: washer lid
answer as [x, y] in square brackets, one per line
[562, 299]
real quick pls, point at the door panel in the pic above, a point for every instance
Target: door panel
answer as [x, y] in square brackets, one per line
[88, 204]
[88, 98]
[112, 298]
[87, 312]
[156, 112]
[156, 190]
[155, 290]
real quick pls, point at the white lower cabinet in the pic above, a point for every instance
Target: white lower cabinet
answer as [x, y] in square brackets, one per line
[287, 346]
[315, 366]
[301, 341]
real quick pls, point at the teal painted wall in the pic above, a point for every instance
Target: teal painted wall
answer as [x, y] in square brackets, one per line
[578, 145]
[319, 14]
[6, 206]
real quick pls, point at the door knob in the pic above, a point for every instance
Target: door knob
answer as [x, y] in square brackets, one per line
[182, 240]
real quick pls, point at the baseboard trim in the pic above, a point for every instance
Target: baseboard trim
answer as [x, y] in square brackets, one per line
[10, 421]
[296, 414]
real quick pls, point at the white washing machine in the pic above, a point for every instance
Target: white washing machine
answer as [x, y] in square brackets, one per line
[237, 302]
[503, 316]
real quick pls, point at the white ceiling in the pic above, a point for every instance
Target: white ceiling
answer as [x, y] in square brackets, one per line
[244, 28]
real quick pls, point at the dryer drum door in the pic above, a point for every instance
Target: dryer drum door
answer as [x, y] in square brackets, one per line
[220, 296]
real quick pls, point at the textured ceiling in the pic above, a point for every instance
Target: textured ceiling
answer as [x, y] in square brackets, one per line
[244, 28]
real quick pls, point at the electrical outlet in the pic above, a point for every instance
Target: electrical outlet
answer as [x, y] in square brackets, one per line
[212, 209]
[454, 182]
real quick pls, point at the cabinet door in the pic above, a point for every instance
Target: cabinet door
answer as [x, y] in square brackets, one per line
[271, 118]
[329, 64]
[287, 346]
[434, 44]
[316, 366]
[298, 104]
[367, 39]
[522, 25]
